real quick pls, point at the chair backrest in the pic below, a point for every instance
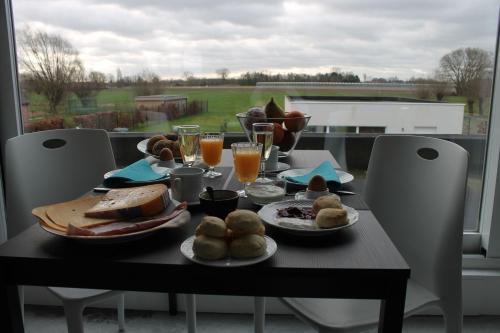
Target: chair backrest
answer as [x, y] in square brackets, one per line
[52, 166]
[416, 188]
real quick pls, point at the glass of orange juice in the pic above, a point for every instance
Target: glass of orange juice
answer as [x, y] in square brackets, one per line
[246, 157]
[211, 151]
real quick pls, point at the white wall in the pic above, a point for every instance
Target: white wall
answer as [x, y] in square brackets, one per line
[396, 117]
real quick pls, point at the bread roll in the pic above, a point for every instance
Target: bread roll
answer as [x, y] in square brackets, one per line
[248, 246]
[209, 248]
[243, 222]
[331, 218]
[211, 226]
[151, 142]
[327, 201]
[159, 145]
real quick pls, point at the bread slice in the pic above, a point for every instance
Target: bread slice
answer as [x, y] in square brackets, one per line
[131, 202]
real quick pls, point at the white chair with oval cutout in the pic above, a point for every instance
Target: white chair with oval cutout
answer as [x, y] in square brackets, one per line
[416, 188]
[54, 166]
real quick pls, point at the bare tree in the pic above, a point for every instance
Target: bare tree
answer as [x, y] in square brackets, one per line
[148, 83]
[85, 86]
[51, 61]
[464, 67]
[223, 73]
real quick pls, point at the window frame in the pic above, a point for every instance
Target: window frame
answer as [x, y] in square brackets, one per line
[487, 238]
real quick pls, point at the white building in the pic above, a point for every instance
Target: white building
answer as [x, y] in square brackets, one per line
[379, 114]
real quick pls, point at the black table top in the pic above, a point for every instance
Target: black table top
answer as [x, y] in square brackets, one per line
[357, 262]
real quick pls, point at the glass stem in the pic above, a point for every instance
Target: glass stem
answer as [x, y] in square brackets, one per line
[262, 169]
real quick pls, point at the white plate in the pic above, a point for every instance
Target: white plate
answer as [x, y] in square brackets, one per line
[187, 251]
[176, 222]
[343, 176]
[142, 146]
[280, 167]
[269, 215]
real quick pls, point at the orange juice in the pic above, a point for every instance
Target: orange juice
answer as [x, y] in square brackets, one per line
[211, 150]
[246, 164]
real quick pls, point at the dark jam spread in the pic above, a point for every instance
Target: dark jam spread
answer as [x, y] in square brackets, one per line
[305, 213]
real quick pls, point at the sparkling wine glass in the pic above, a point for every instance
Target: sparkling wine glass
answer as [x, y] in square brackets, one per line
[211, 151]
[189, 136]
[246, 157]
[263, 133]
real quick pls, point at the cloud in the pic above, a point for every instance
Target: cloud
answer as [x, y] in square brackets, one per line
[382, 38]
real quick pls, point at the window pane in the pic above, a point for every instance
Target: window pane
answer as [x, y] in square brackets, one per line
[358, 68]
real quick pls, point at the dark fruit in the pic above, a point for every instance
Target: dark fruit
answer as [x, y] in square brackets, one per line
[254, 115]
[295, 121]
[288, 141]
[278, 134]
[273, 110]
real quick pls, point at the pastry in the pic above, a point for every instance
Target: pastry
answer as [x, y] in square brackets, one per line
[212, 226]
[166, 154]
[331, 218]
[328, 201]
[242, 222]
[152, 141]
[248, 246]
[159, 145]
[209, 248]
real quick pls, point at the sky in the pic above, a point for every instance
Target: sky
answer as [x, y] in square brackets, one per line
[376, 38]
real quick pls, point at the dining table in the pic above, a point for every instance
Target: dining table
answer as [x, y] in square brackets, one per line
[359, 262]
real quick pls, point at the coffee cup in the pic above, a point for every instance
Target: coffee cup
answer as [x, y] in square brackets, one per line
[272, 161]
[186, 184]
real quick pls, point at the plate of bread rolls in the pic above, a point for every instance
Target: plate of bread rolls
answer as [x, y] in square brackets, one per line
[318, 217]
[239, 240]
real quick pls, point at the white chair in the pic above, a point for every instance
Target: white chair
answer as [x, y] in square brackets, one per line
[53, 166]
[416, 188]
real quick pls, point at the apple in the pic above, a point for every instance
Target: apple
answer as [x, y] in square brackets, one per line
[278, 134]
[295, 121]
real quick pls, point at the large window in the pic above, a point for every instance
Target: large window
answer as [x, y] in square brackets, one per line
[359, 68]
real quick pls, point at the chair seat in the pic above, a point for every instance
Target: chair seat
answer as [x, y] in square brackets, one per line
[79, 293]
[344, 314]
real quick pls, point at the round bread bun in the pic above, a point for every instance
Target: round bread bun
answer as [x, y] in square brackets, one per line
[152, 141]
[248, 246]
[235, 234]
[242, 222]
[212, 226]
[209, 248]
[327, 201]
[331, 218]
[176, 149]
[159, 145]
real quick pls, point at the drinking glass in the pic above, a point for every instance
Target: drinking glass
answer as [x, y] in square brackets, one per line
[263, 133]
[189, 136]
[246, 157]
[211, 152]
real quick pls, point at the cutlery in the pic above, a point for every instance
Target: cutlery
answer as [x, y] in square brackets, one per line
[101, 189]
[345, 192]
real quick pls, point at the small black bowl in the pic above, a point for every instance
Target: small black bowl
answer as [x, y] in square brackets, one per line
[225, 201]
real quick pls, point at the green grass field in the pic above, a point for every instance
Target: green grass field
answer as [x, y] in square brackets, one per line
[223, 103]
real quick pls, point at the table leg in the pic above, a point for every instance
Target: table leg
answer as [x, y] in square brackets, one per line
[392, 310]
[11, 319]
[259, 314]
[172, 304]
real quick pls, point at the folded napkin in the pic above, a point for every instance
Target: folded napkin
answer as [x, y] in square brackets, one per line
[139, 171]
[325, 170]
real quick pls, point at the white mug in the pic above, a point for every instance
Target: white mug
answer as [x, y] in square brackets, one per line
[272, 161]
[186, 184]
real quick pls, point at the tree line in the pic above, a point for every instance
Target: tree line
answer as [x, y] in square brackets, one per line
[51, 66]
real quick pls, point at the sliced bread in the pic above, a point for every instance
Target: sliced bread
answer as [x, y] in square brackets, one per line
[131, 202]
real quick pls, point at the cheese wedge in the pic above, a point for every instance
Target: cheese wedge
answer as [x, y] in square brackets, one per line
[131, 202]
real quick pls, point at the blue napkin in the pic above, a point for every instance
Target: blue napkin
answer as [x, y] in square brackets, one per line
[139, 171]
[325, 170]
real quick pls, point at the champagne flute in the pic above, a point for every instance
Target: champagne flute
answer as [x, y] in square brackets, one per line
[189, 143]
[246, 157]
[263, 133]
[211, 151]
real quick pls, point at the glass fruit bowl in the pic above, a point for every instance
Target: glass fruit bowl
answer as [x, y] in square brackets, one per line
[287, 130]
